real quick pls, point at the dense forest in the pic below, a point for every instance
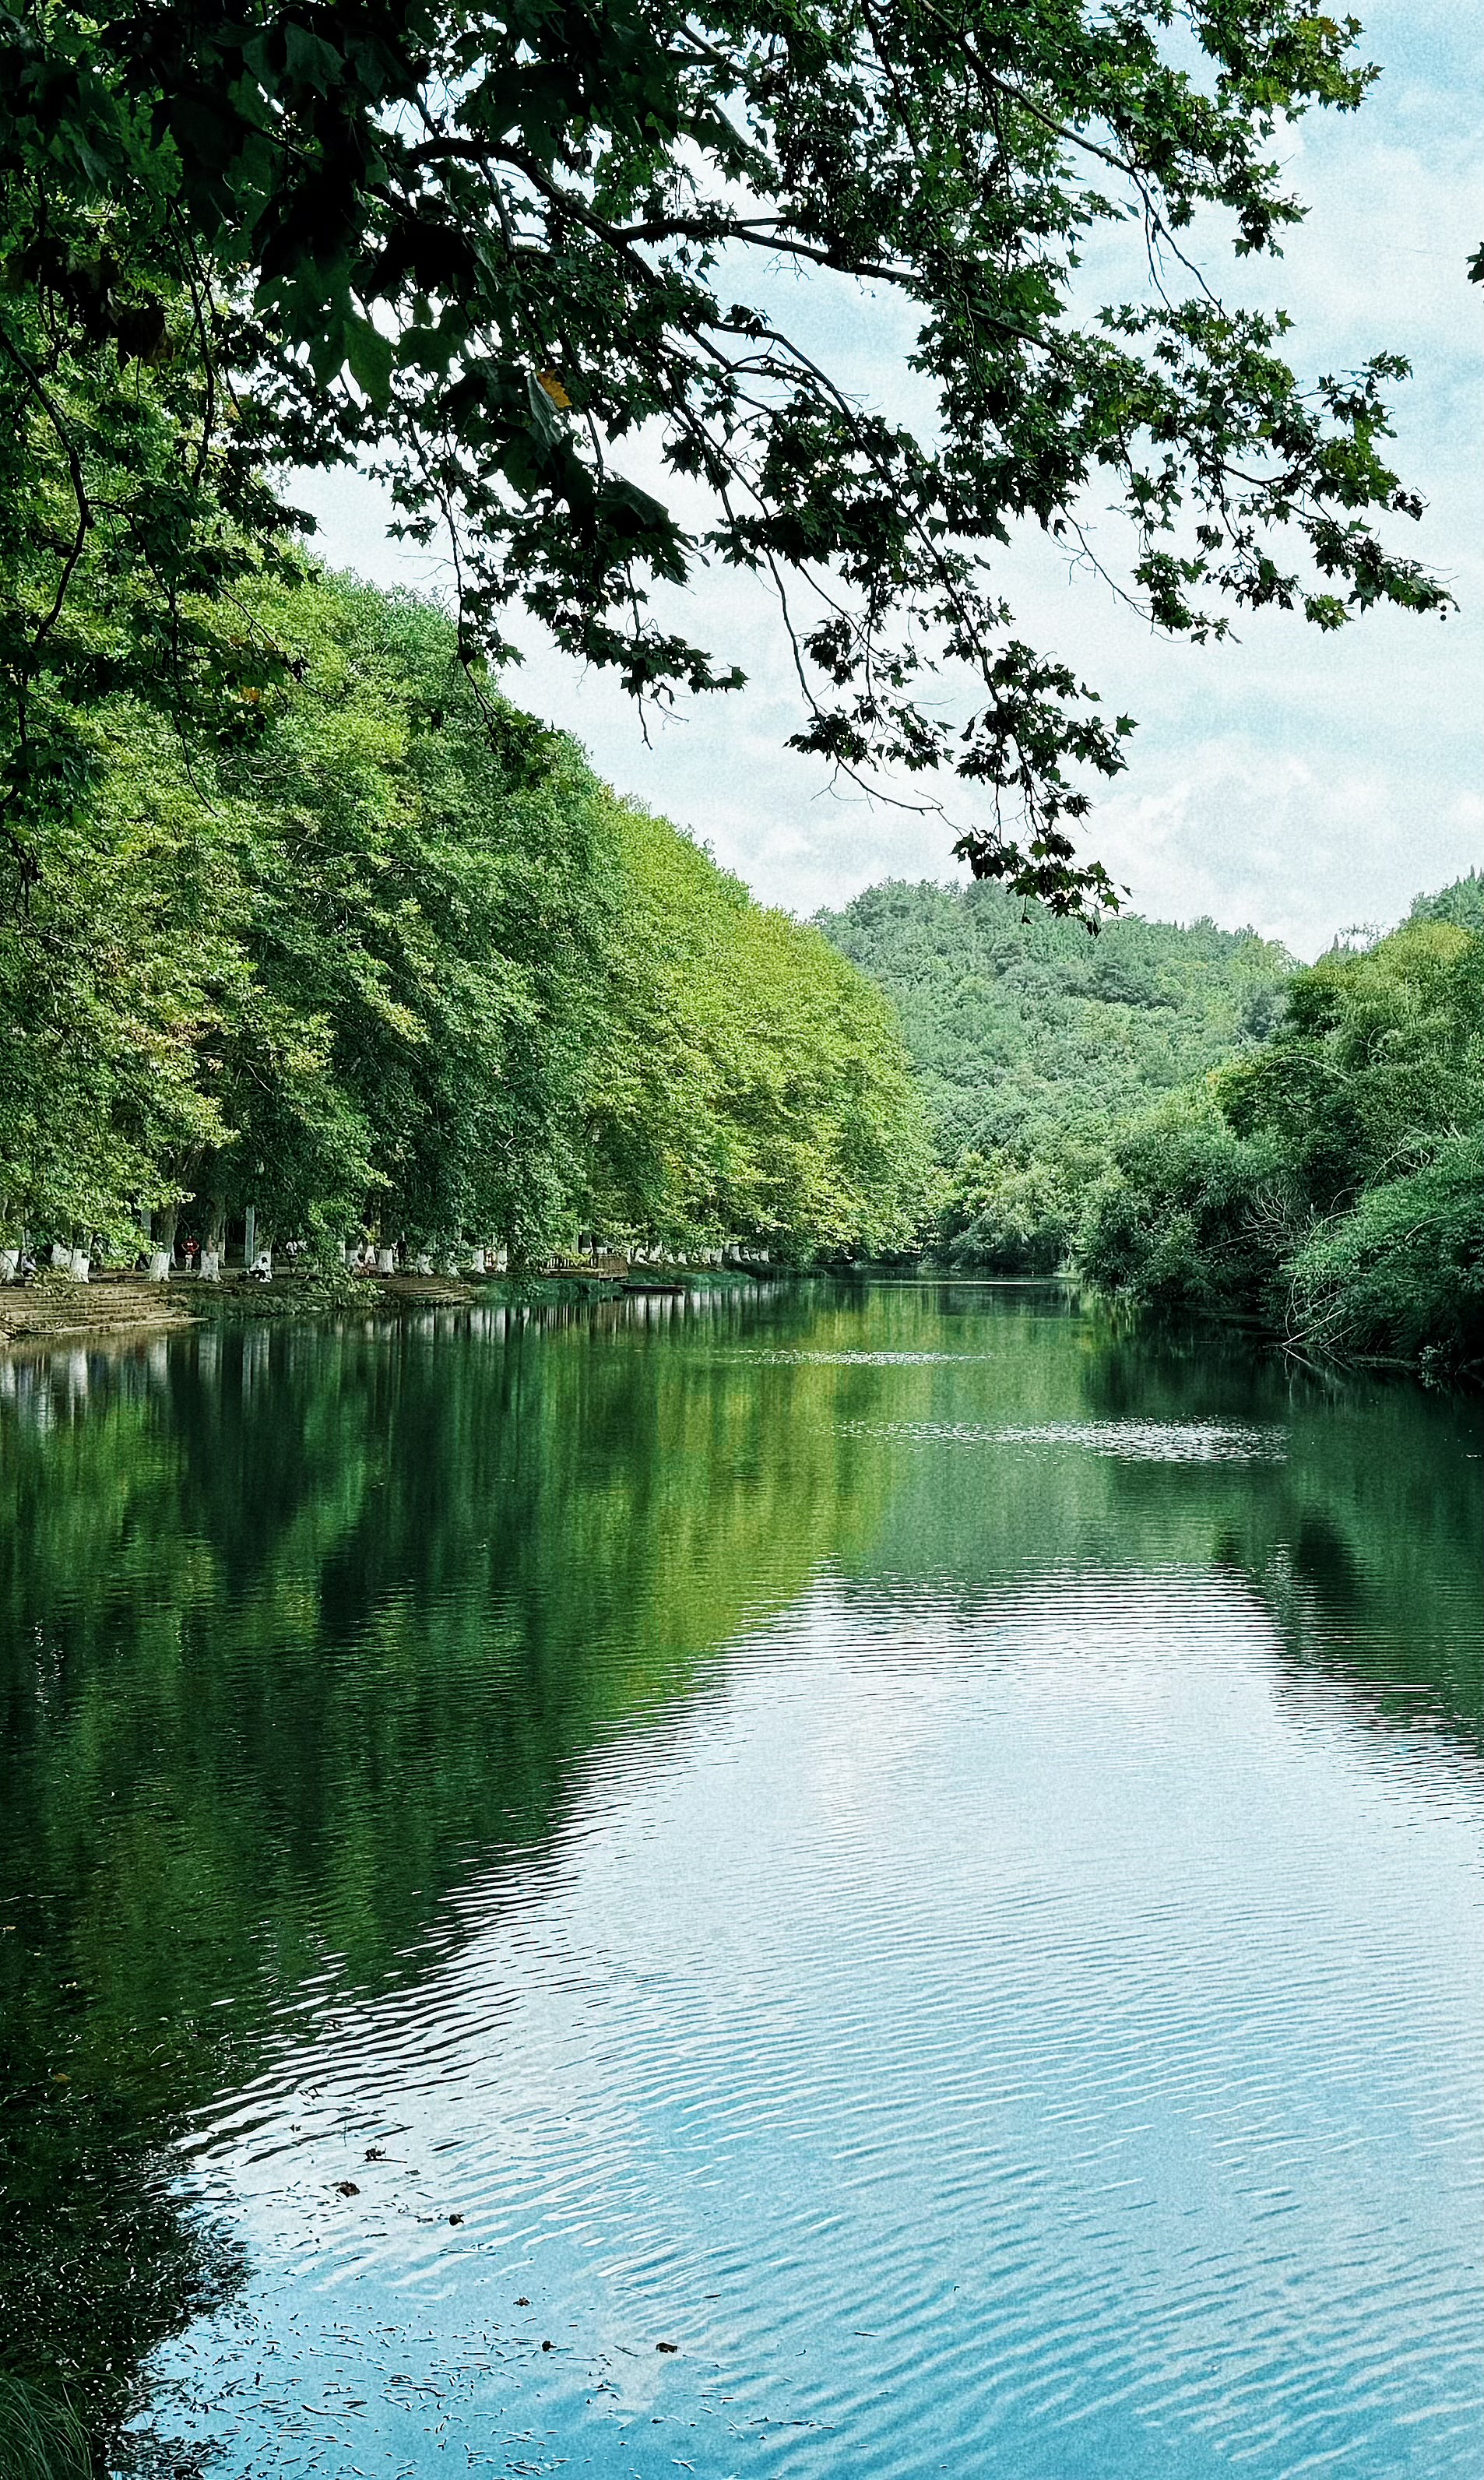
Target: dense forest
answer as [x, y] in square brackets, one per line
[1034, 1043]
[379, 954]
[1194, 1123]
[1330, 1182]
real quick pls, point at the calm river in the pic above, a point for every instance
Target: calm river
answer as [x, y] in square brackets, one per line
[846, 1882]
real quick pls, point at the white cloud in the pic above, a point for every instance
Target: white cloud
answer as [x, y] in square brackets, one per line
[1251, 834]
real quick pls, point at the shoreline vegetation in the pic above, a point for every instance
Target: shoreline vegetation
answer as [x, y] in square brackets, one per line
[1197, 1126]
[387, 977]
[126, 1308]
[386, 988]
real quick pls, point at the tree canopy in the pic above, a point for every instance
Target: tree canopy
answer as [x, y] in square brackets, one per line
[516, 260]
[395, 959]
[1330, 1182]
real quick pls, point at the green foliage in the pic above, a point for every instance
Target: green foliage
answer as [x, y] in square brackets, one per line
[1194, 1124]
[1034, 1044]
[1192, 1215]
[396, 959]
[1005, 1211]
[1462, 903]
[751, 1079]
[485, 252]
[1332, 1180]
[1403, 1274]
[41, 2439]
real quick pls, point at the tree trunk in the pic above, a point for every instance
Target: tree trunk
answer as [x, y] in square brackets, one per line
[212, 1247]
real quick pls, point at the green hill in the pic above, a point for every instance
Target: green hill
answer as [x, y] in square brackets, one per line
[1196, 1123]
[1034, 1042]
[1016, 1019]
[1462, 903]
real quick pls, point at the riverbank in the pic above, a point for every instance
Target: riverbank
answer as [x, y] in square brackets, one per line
[50, 1312]
[37, 1312]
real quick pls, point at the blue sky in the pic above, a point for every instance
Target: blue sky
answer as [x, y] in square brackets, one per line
[1297, 782]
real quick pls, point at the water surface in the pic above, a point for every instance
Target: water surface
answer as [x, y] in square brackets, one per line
[913, 1847]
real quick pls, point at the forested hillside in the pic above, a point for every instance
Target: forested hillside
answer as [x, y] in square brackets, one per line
[1194, 1122]
[1036, 1043]
[1330, 1183]
[376, 952]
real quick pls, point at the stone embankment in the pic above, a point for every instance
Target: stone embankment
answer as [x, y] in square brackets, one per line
[54, 1307]
[32, 1313]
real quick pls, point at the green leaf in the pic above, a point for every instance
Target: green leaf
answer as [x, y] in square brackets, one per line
[373, 358]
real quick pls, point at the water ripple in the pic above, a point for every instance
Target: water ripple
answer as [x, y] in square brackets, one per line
[927, 2041]
[1163, 1442]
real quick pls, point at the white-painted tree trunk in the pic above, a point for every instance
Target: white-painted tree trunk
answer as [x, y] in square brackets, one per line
[386, 1261]
[476, 1261]
[421, 1263]
[210, 1265]
[80, 1267]
[160, 1266]
[60, 1257]
[10, 1265]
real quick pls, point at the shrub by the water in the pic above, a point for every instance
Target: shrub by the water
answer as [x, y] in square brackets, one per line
[1402, 1275]
[1330, 1181]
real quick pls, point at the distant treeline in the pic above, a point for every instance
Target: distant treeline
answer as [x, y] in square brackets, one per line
[1191, 1121]
[380, 954]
